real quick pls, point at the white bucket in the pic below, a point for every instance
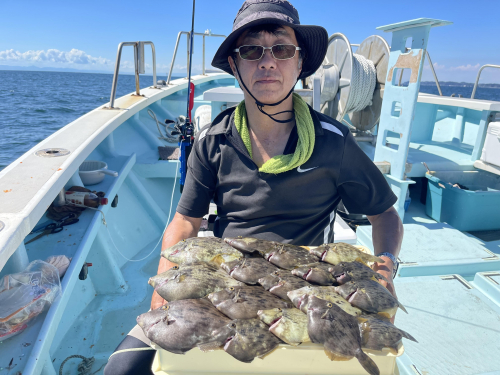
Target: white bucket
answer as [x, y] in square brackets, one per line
[92, 172]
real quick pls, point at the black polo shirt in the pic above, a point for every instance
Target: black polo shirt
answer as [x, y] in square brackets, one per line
[297, 206]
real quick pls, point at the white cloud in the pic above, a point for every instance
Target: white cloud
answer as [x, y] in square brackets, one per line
[437, 66]
[467, 67]
[76, 59]
[75, 56]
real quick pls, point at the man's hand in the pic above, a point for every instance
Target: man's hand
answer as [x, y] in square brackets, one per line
[386, 270]
[180, 228]
[387, 236]
[157, 301]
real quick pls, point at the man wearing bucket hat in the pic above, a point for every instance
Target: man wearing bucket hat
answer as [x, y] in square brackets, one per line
[276, 168]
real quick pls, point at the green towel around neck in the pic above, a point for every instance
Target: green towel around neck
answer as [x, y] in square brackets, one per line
[305, 144]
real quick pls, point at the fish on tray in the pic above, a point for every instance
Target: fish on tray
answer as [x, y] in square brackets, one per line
[191, 281]
[281, 282]
[210, 250]
[347, 271]
[335, 253]
[290, 325]
[282, 255]
[339, 333]
[179, 326]
[318, 273]
[244, 339]
[300, 298]
[245, 302]
[370, 296]
[377, 334]
[249, 270]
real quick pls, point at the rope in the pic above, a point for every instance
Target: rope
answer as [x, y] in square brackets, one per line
[168, 129]
[84, 366]
[363, 81]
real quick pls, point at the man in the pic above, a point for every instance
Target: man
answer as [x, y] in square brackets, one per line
[275, 168]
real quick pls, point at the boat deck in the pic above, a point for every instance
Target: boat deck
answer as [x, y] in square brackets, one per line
[449, 283]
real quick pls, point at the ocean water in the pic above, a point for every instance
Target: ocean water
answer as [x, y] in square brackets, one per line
[33, 105]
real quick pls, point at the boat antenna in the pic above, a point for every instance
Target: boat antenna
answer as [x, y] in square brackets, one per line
[186, 130]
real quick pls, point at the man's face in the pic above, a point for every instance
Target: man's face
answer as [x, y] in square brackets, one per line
[268, 79]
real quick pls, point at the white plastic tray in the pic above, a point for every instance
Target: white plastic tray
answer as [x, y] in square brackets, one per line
[305, 359]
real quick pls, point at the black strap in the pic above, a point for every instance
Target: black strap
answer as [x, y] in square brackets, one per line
[260, 105]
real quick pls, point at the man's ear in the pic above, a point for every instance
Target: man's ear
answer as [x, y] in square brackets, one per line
[231, 64]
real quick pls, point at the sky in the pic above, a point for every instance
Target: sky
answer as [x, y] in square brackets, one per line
[85, 35]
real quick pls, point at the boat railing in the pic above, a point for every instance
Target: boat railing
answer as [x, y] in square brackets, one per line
[139, 67]
[479, 75]
[188, 34]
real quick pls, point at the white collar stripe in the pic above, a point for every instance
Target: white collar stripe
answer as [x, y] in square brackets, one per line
[203, 134]
[332, 128]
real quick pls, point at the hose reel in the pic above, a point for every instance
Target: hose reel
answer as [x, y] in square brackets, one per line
[353, 84]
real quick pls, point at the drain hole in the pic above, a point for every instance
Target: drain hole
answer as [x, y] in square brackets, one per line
[52, 152]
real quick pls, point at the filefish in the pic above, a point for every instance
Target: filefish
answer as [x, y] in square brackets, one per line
[245, 302]
[249, 270]
[281, 282]
[282, 255]
[347, 271]
[180, 326]
[335, 253]
[339, 333]
[244, 339]
[316, 273]
[191, 281]
[290, 325]
[301, 297]
[370, 296]
[377, 334]
[211, 250]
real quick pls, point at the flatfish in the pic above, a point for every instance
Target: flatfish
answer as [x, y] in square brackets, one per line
[211, 250]
[180, 326]
[191, 281]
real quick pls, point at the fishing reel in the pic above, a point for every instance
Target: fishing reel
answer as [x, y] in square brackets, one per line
[184, 129]
[353, 84]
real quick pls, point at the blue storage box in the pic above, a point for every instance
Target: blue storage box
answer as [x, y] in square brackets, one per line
[475, 209]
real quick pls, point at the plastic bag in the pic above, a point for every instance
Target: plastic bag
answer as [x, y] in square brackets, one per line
[25, 295]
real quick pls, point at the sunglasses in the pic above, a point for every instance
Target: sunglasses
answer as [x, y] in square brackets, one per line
[279, 52]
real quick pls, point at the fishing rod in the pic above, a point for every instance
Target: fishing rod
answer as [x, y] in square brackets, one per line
[186, 137]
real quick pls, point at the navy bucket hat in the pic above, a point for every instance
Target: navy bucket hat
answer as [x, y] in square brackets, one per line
[314, 39]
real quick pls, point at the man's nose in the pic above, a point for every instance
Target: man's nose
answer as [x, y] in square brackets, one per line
[267, 61]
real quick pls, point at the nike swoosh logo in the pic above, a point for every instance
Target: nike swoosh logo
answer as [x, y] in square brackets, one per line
[305, 170]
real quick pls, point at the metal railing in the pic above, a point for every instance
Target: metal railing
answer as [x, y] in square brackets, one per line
[139, 67]
[479, 75]
[434, 73]
[188, 34]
